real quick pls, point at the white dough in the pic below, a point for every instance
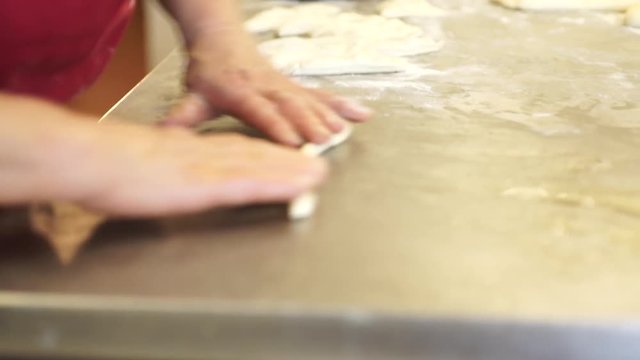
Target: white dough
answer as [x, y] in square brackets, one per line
[409, 8]
[332, 55]
[371, 26]
[304, 205]
[318, 39]
[632, 18]
[290, 17]
[268, 20]
[567, 4]
[317, 9]
[408, 47]
[314, 150]
[298, 25]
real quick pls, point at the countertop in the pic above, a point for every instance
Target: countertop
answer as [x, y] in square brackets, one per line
[499, 183]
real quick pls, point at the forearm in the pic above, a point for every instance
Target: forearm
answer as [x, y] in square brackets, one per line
[208, 19]
[38, 142]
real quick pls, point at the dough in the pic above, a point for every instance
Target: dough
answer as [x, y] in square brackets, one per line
[567, 4]
[632, 18]
[304, 205]
[332, 55]
[317, 9]
[409, 8]
[297, 25]
[408, 47]
[290, 18]
[311, 149]
[331, 43]
[268, 20]
[371, 27]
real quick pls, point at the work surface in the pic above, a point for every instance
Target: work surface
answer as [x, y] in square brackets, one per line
[502, 184]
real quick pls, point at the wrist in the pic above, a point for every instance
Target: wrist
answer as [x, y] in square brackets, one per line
[41, 143]
[68, 157]
[209, 31]
[220, 39]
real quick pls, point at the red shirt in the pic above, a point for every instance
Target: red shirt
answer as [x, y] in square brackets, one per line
[55, 48]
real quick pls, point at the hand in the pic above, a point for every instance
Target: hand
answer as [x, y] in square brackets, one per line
[50, 154]
[229, 76]
[165, 171]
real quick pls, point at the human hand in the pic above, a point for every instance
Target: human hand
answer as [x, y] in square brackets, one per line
[165, 171]
[227, 75]
[51, 154]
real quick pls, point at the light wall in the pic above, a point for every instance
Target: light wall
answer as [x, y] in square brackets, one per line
[161, 32]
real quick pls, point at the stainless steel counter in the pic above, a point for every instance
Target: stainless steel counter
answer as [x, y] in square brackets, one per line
[491, 210]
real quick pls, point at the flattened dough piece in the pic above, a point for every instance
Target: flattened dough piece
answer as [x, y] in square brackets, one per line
[333, 55]
[363, 26]
[632, 18]
[567, 4]
[408, 47]
[300, 26]
[289, 19]
[409, 8]
[268, 20]
[306, 18]
[318, 8]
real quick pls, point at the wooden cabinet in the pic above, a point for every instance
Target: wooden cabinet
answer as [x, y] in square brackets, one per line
[127, 68]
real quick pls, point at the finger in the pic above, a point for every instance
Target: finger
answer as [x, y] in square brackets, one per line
[347, 108]
[261, 157]
[264, 115]
[258, 171]
[330, 118]
[302, 115]
[275, 187]
[190, 111]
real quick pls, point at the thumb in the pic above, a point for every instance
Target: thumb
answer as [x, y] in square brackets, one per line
[190, 111]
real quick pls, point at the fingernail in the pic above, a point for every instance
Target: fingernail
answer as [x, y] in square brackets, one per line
[322, 135]
[336, 122]
[358, 108]
[293, 139]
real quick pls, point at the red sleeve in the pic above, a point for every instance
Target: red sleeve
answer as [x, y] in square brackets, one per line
[55, 48]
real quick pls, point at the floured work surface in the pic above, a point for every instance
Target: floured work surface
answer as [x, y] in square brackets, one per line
[504, 184]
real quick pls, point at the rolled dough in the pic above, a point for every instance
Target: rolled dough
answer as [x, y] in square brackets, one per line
[315, 150]
[304, 206]
[567, 4]
[632, 18]
[409, 8]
